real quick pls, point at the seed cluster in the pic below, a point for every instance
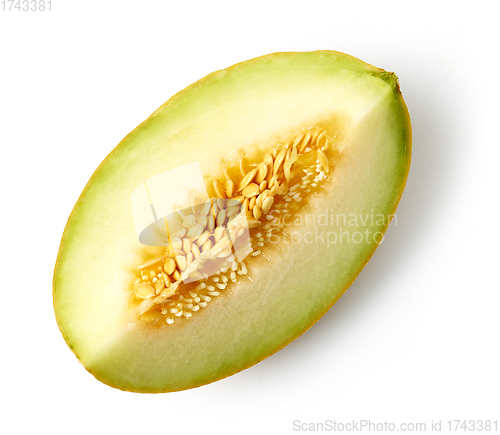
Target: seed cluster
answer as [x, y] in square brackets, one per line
[201, 259]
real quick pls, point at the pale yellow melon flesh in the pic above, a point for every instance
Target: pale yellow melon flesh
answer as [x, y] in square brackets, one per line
[217, 118]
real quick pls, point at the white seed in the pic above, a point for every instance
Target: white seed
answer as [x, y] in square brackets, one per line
[151, 262]
[165, 277]
[219, 190]
[323, 159]
[181, 262]
[202, 220]
[188, 221]
[246, 204]
[279, 160]
[287, 167]
[314, 138]
[244, 167]
[321, 140]
[250, 190]
[205, 208]
[272, 182]
[169, 266]
[229, 186]
[268, 159]
[143, 291]
[203, 238]
[195, 250]
[221, 203]
[221, 218]
[232, 211]
[179, 233]
[227, 175]
[186, 245]
[206, 246]
[247, 179]
[298, 139]
[267, 204]
[214, 293]
[255, 253]
[194, 231]
[211, 223]
[257, 213]
[261, 172]
[283, 189]
[244, 269]
[305, 141]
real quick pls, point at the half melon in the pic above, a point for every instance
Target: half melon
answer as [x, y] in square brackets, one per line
[231, 220]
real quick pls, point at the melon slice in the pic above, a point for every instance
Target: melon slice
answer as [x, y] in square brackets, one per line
[231, 220]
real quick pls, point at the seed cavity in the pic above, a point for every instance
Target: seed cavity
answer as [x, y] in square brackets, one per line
[174, 285]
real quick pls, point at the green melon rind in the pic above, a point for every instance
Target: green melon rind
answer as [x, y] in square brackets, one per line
[111, 352]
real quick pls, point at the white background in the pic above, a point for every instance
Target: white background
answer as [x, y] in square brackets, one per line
[416, 337]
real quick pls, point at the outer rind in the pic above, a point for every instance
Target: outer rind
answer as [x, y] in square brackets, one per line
[177, 101]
